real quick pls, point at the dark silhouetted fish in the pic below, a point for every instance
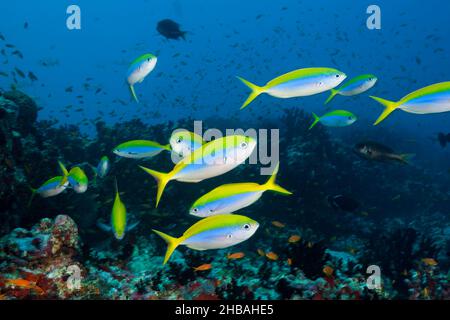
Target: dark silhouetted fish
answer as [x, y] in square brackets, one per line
[32, 76]
[376, 151]
[344, 203]
[170, 29]
[443, 139]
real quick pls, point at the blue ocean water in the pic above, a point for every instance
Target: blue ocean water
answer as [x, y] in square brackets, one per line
[255, 39]
[82, 80]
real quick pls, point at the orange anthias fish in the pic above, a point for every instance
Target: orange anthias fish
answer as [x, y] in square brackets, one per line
[272, 256]
[261, 252]
[429, 261]
[289, 261]
[24, 284]
[278, 224]
[328, 271]
[236, 255]
[294, 238]
[203, 267]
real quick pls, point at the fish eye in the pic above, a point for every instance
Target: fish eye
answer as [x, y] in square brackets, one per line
[179, 139]
[246, 226]
[211, 210]
[195, 210]
[244, 145]
[229, 236]
[337, 75]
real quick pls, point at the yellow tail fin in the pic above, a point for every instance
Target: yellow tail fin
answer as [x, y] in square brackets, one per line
[172, 243]
[271, 185]
[334, 92]
[33, 193]
[316, 120]
[133, 93]
[64, 171]
[256, 91]
[161, 178]
[389, 107]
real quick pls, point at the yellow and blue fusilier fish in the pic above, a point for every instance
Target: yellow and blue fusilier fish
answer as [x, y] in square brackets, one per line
[103, 167]
[139, 69]
[216, 232]
[118, 218]
[354, 86]
[50, 188]
[183, 142]
[76, 177]
[232, 197]
[336, 118]
[210, 160]
[431, 99]
[138, 149]
[297, 83]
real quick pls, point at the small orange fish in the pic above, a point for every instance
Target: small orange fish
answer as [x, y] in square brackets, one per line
[272, 256]
[429, 261]
[24, 284]
[294, 238]
[203, 267]
[261, 252]
[278, 224]
[236, 255]
[328, 271]
[289, 261]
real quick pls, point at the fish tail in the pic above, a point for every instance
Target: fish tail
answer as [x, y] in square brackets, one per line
[33, 193]
[161, 178]
[271, 185]
[316, 120]
[334, 92]
[406, 157]
[172, 244]
[389, 107]
[256, 91]
[133, 93]
[65, 173]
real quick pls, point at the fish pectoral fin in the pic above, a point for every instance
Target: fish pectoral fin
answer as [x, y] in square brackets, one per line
[103, 226]
[133, 225]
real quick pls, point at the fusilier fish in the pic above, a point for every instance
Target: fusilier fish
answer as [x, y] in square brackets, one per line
[137, 149]
[50, 188]
[232, 197]
[118, 218]
[432, 99]
[336, 118]
[102, 167]
[139, 69]
[216, 232]
[76, 177]
[298, 83]
[354, 86]
[210, 160]
[183, 142]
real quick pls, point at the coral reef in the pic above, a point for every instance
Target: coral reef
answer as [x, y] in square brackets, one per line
[47, 247]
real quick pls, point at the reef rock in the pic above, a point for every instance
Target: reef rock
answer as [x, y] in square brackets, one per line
[45, 256]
